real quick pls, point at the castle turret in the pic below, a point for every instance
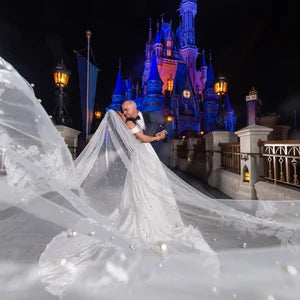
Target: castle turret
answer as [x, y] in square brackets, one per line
[154, 99]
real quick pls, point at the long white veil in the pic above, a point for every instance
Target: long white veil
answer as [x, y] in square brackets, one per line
[257, 242]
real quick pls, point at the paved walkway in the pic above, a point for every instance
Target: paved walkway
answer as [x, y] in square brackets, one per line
[23, 238]
[15, 223]
[200, 186]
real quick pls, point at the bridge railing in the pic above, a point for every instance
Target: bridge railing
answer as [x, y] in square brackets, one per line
[282, 161]
[230, 157]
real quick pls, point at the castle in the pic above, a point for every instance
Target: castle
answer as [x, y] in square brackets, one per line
[171, 82]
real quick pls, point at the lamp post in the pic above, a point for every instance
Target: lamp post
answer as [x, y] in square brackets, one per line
[220, 88]
[61, 78]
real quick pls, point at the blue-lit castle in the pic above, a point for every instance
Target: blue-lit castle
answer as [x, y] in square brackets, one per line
[171, 82]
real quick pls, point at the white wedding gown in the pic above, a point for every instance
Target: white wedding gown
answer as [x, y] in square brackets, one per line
[148, 210]
[133, 229]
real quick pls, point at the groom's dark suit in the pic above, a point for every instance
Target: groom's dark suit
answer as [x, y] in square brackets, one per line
[154, 123]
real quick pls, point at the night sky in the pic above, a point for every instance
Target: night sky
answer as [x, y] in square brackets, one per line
[252, 43]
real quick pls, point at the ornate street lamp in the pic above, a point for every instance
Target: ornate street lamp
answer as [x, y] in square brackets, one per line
[61, 79]
[220, 88]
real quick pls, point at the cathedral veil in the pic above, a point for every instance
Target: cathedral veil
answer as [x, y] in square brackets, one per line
[43, 180]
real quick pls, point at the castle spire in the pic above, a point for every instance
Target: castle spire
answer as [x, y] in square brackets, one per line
[154, 99]
[203, 61]
[118, 93]
[150, 32]
[154, 75]
[157, 36]
[210, 77]
[119, 84]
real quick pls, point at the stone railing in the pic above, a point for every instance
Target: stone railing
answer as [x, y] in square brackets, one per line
[182, 150]
[281, 161]
[230, 157]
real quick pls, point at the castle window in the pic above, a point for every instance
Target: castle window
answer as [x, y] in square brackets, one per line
[169, 47]
[170, 83]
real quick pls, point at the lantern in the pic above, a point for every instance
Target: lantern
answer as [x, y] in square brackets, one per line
[220, 86]
[170, 118]
[61, 75]
[98, 114]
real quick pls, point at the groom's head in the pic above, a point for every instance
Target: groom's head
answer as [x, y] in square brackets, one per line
[129, 109]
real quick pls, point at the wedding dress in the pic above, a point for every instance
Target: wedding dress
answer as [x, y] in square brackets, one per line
[133, 229]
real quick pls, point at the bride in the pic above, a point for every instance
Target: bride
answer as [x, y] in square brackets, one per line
[133, 229]
[148, 209]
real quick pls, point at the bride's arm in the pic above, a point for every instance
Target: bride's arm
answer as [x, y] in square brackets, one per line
[139, 134]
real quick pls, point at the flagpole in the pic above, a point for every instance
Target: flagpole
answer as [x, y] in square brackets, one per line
[88, 35]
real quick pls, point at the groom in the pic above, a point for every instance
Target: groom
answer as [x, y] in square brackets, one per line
[152, 124]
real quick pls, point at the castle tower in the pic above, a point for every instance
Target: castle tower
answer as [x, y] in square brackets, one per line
[189, 50]
[154, 99]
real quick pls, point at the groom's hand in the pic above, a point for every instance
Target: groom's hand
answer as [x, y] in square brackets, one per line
[161, 135]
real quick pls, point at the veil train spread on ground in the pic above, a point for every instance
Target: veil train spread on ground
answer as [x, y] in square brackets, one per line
[133, 229]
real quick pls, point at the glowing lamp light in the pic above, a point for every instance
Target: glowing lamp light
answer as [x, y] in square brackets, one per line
[169, 118]
[201, 132]
[220, 86]
[246, 177]
[186, 94]
[61, 75]
[98, 114]
[189, 159]
[183, 137]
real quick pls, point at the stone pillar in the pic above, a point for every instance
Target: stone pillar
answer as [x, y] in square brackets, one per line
[213, 159]
[251, 162]
[173, 156]
[70, 136]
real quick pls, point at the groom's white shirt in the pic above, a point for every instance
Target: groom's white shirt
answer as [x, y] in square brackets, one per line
[140, 122]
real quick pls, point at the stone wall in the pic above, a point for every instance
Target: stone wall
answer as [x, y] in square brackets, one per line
[268, 190]
[205, 164]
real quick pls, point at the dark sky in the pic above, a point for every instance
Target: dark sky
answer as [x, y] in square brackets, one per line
[252, 43]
